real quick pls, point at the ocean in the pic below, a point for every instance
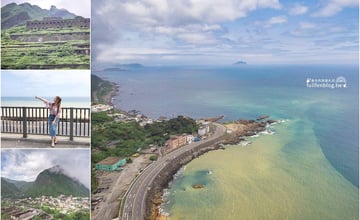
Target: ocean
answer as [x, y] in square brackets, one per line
[67, 102]
[308, 169]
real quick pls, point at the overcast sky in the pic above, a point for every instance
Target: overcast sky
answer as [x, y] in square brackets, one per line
[48, 83]
[26, 164]
[78, 7]
[162, 32]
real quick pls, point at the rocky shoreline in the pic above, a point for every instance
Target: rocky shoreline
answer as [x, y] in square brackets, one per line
[154, 196]
[108, 98]
[103, 91]
[239, 129]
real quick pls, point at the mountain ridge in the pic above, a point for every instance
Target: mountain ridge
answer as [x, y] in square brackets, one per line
[14, 14]
[50, 182]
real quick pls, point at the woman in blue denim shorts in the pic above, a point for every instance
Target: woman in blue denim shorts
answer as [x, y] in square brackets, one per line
[55, 110]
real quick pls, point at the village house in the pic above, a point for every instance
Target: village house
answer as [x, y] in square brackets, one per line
[176, 141]
[204, 128]
[110, 163]
[101, 108]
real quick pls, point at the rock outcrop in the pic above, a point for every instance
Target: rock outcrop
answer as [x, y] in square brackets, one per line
[198, 186]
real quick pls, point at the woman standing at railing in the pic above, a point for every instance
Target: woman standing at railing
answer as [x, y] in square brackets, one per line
[55, 110]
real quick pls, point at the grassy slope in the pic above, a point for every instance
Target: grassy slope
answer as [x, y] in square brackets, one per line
[25, 55]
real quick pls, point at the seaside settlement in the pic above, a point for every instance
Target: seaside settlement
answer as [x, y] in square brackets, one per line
[46, 207]
[125, 143]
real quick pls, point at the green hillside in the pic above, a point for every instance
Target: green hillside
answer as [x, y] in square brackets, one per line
[50, 182]
[54, 47]
[56, 183]
[14, 15]
[9, 190]
[100, 89]
[21, 185]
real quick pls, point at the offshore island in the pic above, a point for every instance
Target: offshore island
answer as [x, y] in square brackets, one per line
[134, 157]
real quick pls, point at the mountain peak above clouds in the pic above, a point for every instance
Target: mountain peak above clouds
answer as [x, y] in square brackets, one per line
[56, 169]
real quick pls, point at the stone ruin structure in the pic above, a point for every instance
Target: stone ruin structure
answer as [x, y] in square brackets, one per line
[58, 23]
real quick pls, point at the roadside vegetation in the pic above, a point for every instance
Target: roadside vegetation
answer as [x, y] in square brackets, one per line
[123, 139]
[110, 138]
[69, 216]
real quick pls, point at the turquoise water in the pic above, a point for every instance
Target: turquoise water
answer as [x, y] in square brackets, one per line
[307, 170]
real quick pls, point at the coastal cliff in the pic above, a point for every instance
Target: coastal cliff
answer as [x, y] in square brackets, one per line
[102, 91]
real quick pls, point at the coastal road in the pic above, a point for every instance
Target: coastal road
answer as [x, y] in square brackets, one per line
[134, 206]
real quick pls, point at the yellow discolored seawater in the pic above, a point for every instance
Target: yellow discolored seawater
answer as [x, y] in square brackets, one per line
[280, 176]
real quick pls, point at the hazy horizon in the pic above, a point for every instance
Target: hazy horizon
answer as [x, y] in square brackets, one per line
[50, 83]
[157, 33]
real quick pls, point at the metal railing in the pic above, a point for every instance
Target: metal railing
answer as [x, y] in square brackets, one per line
[73, 122]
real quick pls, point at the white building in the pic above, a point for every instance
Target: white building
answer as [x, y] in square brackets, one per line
[190, 138]
[100, 108]
[204, 128]
[202, 131]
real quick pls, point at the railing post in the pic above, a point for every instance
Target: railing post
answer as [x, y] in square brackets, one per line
[24, 122]
[71, 124]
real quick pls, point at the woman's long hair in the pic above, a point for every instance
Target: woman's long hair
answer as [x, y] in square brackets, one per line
[57, 101]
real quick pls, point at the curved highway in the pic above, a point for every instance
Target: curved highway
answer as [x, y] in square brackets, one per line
[134, 206]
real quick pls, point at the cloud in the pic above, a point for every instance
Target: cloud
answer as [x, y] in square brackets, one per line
[307, 25]
[162, 24]
[332, 7]
[326, 30]
[193, 34]
[161, 32]
[26, 164]
[179, 12]
[79, 7]
[298, 9]
[277, 20]
[130, 54]
[45, 82]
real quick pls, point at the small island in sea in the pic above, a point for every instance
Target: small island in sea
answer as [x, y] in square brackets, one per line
[124, 67]
[240, 62]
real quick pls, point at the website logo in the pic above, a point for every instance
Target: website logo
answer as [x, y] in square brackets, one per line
[327, 83]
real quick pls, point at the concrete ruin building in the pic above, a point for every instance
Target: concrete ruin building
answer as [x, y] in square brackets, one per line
[58, 23]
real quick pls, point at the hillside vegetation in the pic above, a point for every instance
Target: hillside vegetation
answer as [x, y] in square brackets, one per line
[52, 48]
[47, 183]
[100, 89]
[122, 139]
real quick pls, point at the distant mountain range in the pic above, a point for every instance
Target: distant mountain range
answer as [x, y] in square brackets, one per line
[13, 14]
[124, 67]
[50, 182]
